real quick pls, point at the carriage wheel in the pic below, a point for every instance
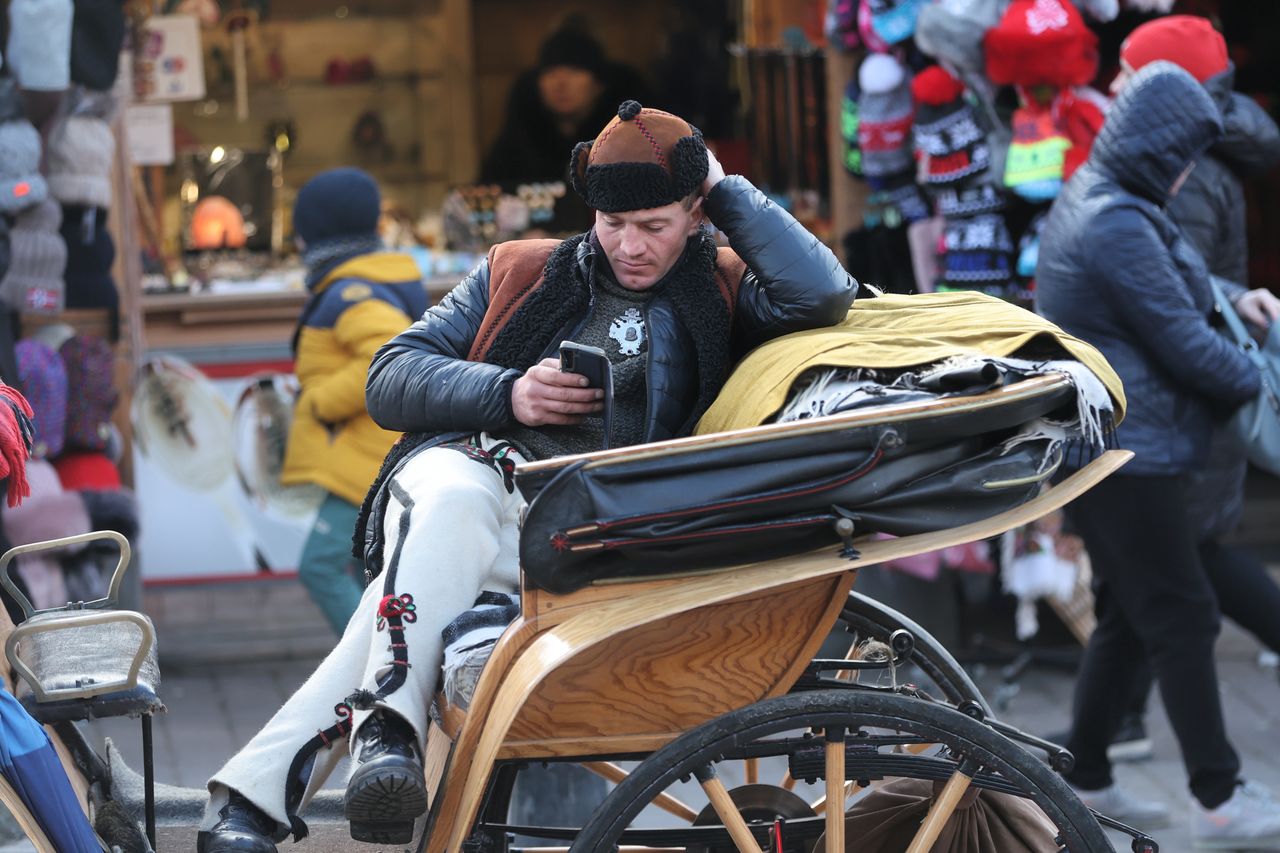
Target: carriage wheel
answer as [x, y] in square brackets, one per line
[836, 736]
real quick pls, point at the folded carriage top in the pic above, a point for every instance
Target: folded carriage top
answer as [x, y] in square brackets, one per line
[895, 448]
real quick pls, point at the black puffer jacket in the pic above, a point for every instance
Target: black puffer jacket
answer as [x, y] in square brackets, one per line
[1115, 270]
[1210, 209]
[422, 382]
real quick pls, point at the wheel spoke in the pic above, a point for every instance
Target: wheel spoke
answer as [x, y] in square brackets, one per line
[944, 805]
[835, 790]
[728, 813]
[752, 770]
[664, 801]
[787, 783]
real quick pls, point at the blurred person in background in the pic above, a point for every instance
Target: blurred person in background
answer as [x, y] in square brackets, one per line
[1210, 210]
[1116, 271]
[571, 93]
[361, 296]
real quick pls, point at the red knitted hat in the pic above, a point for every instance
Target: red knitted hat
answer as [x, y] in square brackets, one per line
[1187, 41]
[80, 471]
[1041, 42]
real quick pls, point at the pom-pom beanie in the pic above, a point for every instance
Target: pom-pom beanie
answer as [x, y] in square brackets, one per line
[946, 136]
[643, 158]
[884, 116]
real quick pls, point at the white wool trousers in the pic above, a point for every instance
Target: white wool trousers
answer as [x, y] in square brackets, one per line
[451, 531]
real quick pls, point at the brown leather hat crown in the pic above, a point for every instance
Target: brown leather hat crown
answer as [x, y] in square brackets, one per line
[642, 159]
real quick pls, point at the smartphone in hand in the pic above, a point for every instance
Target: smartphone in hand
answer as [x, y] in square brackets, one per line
[592, 363]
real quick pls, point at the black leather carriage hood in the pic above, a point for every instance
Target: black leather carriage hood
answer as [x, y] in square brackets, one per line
[1162, 121]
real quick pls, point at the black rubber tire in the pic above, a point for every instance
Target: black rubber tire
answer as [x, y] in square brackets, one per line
[851, 709]
[870, 618]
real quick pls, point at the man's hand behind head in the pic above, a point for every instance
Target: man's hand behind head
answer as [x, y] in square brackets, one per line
[545, 395]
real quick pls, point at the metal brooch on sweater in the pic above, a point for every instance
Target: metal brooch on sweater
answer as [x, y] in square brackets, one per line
[628, 331]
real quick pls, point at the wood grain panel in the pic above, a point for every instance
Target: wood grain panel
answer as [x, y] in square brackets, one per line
[673, 675]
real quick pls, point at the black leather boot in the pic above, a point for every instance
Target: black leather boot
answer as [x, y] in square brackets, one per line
[387, 791]
[243, 828]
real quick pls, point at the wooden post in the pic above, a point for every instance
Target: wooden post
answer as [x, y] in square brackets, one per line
[460, 86]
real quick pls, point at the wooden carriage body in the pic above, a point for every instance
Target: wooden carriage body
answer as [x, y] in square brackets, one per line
[624, 667]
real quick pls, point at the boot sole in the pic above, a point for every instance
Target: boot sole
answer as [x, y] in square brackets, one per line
[383, 802]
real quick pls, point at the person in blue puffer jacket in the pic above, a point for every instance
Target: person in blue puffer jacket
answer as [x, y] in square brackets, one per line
[1115, 270]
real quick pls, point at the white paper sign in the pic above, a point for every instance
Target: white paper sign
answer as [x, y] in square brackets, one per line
[149, 131]
[169, 65]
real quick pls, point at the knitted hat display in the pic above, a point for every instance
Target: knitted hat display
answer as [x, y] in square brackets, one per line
[1187, 41]
[340, 204]
[894, 20]
[643, 158]
[1029, 247]
[842, 24]
[951, 31]
[87, 471]
[21, 184]
[969, 200]
[80, 155]
[1041, 42]
[39, 49]
[1079, 114]
[97, 34]
[947, 139]
[90, 254]
[1034, 168]
[849, 128]
[44, 384]
[900, 193]
[37, 259]
[91, 394]
[4, 246]
[977, 251]
[867, 30]
[884, 116]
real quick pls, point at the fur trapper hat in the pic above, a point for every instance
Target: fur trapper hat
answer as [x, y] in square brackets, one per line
[643, 158]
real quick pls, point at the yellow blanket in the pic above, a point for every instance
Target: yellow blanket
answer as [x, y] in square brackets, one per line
[892, 332]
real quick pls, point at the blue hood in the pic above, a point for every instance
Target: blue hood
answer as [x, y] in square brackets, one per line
[1162, 121]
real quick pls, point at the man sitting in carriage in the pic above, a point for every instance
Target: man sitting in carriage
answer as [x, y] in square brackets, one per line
[477, 387]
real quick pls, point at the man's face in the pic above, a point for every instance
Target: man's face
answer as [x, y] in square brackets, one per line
[643, 245]
[568, 92]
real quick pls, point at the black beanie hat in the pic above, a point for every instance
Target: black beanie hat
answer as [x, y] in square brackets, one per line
[643, 158]
[97, 34]
[340, 204]
[572, 48]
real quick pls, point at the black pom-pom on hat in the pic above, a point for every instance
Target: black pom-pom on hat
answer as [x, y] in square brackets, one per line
[628, 110]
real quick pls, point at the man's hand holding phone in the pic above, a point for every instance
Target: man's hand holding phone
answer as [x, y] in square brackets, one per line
[546, 395]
